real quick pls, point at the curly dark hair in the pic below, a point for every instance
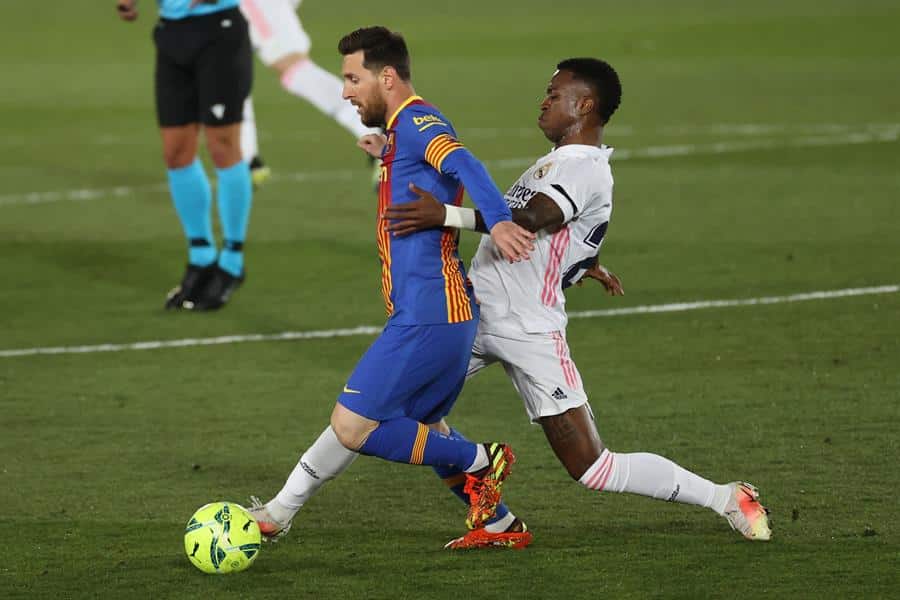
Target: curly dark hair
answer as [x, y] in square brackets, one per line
[381, 48]
[600, 76]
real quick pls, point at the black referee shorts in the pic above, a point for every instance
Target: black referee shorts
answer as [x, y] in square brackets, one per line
[204, 69]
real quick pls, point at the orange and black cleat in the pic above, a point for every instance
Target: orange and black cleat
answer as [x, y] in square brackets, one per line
[484, 486]
[516, 537]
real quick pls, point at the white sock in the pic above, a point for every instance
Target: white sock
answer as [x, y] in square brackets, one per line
[249, 146]
[323, 90]
[501, 525]
[654, 476]
[324, 460]
[481, 459]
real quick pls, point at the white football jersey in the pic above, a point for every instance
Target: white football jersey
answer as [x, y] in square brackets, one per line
[528, 295]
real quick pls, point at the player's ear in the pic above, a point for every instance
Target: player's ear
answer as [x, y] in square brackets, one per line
[388, 77]
[586, 106]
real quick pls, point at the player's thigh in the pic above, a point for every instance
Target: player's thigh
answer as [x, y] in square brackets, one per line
[444, 379]
[409, 371]
[542, 372]
[275, 29]
[480, 357]
[175, 85]
[224, 71]
[224, 144]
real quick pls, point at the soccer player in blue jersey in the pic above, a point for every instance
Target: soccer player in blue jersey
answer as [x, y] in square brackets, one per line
[393, 404]
[204, 71]
[519, 300]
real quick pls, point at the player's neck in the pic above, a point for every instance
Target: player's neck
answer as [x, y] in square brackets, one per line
[397, 96]
[587, 136]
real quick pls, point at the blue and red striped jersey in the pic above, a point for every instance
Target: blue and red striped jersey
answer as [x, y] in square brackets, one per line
[423, 280]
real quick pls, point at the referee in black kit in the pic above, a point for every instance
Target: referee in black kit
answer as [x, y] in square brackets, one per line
[204, 72]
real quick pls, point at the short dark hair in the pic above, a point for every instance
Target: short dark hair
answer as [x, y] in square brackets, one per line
[600, 76]
[381, 48]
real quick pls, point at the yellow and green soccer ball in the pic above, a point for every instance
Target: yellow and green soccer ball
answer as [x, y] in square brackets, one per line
[222, 537]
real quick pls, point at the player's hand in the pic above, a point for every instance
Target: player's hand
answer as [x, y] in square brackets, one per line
[372, 143]
[606, 278]
[514, 242]
[426, 212]
[127, 9]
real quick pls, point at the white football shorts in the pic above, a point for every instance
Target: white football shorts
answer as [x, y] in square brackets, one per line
[275, 28]
[539, 366]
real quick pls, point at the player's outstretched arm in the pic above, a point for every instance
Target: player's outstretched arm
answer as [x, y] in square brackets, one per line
[513, 241]
[127, 9]
[428, 212]
[607, 279]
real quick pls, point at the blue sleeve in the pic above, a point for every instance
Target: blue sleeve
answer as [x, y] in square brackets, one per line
[432, 138]
[468, 170]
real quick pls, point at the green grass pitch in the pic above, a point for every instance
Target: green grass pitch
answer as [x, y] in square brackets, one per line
[758, 156]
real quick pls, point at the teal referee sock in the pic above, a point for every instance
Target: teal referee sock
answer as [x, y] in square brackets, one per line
[192, 198]
[235, 196]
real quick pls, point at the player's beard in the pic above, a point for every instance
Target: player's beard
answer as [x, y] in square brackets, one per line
[374, 111]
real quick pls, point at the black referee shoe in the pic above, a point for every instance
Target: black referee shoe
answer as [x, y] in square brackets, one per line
[192, 283]
[217, 291]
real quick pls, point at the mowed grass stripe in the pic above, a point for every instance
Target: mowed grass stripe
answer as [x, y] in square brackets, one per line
[889, 133]
[373, 329]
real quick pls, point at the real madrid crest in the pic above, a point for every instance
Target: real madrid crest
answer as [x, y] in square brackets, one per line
[543, 170]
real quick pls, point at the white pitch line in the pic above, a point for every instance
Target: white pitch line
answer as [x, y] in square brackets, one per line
[700, 304]
[888, 134]
[373, 330]
[188, 342]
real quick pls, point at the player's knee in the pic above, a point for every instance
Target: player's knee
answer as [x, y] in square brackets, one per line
[224, 150]
[441, 427]
[177, 156]
[179, 145]
[344, 433]
[350, 429]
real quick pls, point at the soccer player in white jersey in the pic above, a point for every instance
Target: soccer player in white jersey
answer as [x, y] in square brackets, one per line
[282, 44]
[566, 198]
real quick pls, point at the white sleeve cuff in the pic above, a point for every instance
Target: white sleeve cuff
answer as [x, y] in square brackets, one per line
[459, 217]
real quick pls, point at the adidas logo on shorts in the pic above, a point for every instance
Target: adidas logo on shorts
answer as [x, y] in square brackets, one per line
[558, 394]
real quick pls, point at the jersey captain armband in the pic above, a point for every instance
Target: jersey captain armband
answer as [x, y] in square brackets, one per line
[439, 148]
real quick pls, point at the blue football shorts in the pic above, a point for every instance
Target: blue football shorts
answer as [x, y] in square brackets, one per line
[413, 371]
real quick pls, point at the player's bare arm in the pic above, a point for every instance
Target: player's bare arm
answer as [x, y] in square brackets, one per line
[541, 212]
[607, 279]
[513, 240]
[127, 9]
[427, 212]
